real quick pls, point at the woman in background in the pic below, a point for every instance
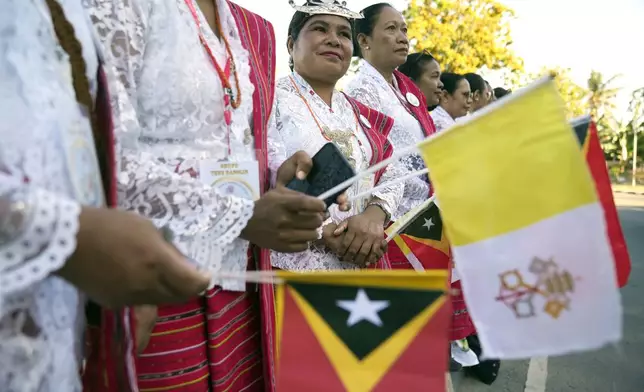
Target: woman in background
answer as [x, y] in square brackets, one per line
[425, 71]
[310, 113]
[491, 90]
[500, 92]
[455, 101]
[380, 40]
[481, 91]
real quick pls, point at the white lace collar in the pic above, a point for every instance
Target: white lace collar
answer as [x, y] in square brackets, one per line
[441, 118]
[310, 95]
[370, 70]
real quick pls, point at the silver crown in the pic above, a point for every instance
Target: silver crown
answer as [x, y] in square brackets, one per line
[326, 7]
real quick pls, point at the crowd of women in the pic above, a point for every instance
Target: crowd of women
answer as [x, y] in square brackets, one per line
[127, 102]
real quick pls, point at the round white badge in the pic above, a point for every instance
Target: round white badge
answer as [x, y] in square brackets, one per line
[364, 121]
[412, 99]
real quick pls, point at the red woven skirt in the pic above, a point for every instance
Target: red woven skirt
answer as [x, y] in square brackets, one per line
[462, 325]
[212, 343]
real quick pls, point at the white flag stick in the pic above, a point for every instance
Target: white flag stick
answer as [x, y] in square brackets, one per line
[250, 276]
[390, 183]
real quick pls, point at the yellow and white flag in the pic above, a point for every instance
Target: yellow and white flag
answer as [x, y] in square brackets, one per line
[526, 227]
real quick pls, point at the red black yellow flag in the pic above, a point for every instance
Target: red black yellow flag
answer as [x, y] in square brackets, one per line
[420, 236]
[363, 331]
[586, 132]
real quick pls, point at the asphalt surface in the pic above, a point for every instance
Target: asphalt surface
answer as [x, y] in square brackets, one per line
[612, 369]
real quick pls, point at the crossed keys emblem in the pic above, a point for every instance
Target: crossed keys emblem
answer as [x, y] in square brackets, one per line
[552, 284]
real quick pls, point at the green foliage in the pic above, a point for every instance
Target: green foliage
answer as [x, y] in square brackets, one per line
[618, 138]
[601, 106]
[601, 96]
[463, 35]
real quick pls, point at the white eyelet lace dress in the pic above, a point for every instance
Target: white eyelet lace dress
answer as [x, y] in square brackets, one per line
[48, 168]
[169, 117]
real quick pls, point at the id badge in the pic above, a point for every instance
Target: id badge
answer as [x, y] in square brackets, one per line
[240, 179]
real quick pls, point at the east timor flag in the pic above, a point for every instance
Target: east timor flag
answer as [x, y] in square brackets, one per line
[360, 331]
[420, 236]
[587, 135]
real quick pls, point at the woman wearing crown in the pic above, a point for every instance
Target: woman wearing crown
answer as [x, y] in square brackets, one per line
[310, 112]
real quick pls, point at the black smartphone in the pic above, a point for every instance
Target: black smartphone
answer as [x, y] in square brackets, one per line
[330, 168]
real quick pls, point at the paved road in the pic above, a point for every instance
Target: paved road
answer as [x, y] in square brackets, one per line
[613, 369]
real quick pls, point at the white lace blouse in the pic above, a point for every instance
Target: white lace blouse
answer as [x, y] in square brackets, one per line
[442, 119]
[294, 128]
[370, 87]
[168, 103]
[48, 168]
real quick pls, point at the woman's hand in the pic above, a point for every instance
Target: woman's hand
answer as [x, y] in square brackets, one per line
[330, 239]
[363, 242]
[298, 166]
[285, 220]
[122, 259]
[145, 319]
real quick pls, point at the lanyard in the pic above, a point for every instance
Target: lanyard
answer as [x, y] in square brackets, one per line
[321, 128]
[230, 103]
[297, 89]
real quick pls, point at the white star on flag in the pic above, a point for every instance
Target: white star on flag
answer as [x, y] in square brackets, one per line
[428, 223]
[362, 308]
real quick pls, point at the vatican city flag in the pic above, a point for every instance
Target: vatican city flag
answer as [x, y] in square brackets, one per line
[361, 331]
[527, 230]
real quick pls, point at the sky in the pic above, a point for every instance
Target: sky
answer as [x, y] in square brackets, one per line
[579, 34]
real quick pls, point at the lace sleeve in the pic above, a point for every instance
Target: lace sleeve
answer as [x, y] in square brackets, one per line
[37, 227]
[146, 184]
[276, 145]
[37, 234]
[391, 195]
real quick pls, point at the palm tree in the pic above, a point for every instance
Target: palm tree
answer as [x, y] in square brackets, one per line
[612, 134]
[601, 95]
[636, 109]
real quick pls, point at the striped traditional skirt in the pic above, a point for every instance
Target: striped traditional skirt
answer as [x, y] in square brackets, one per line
[212, 343]
[462, 325]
